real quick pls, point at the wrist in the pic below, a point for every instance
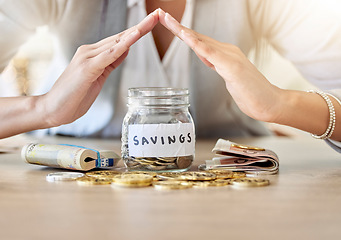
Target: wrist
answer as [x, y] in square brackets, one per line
[273, 110]
[285, 106]
[42, 112]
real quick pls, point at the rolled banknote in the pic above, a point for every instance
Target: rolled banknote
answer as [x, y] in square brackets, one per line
[68, 156]
[239, 157]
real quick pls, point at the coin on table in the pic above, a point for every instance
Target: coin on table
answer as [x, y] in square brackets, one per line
[221, 174]
[132, 180]
[247, 147]
[88, 181]
[197, 176]
[201, 184]
[102, 174]
[250, 182]
[131, 185]
[153, 174]
[239, 175]
[222, 182]
[202, 167]
[169, 176]
[211, 183]
[63, 176]
[171, 185]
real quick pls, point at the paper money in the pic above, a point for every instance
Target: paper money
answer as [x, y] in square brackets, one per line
[238, 157]
[68, 157]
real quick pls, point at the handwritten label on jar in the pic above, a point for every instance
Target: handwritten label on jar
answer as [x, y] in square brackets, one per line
[161, 140]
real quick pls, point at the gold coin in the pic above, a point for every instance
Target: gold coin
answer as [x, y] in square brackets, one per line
[222, 174]
[247, 147]
[197, 176]
[171, 185]
[167, 159]
[153, 174]
[133, 178]
[201, 184]
[131, 185]
[145, 161]
[239, 175]
[93, 181]
[250, 182]
[156, 168]
[222, 182]
[102, 174]
[169, 175]
[161, 163]
[212, 183]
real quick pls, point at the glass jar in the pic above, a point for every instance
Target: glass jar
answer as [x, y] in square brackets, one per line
[158, 132]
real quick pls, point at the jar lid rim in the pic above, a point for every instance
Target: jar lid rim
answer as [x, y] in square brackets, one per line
[157, 91]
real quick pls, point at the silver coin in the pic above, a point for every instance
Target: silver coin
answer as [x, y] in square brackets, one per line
[63, 176]
[202, 167]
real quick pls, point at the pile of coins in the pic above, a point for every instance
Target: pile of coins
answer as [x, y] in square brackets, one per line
[160, 163]
[166, 180]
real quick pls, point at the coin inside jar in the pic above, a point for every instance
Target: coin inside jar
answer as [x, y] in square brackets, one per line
[184, 162]
[160, 164]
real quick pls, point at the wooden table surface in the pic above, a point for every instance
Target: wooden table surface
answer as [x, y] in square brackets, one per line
[302, 201]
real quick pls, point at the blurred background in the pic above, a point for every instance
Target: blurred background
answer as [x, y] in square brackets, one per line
[28, 68]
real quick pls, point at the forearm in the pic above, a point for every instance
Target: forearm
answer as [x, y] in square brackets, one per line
[21, 114]
[308, 112]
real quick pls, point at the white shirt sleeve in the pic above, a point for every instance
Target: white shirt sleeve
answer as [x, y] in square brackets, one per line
[19, 20]
[306, 32]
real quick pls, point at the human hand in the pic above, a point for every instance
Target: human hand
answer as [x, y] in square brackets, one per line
[252, 92]
[81, 82]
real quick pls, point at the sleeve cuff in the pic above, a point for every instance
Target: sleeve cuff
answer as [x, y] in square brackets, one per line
[334, 144]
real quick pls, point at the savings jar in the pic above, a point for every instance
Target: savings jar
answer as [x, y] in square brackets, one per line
[158, 132]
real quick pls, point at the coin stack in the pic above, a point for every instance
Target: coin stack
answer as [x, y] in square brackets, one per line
[165, 180]
[160, 163]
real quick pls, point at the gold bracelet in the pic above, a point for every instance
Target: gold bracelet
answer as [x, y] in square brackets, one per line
[332, 116]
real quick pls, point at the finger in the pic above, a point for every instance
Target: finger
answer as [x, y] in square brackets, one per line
[170, 23]
[97, 87]
[176, 28]
[113, 54]
[115, 64]
[145, 26]
[206, 62]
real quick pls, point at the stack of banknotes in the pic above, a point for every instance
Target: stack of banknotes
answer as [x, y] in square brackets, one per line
[239, 157]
